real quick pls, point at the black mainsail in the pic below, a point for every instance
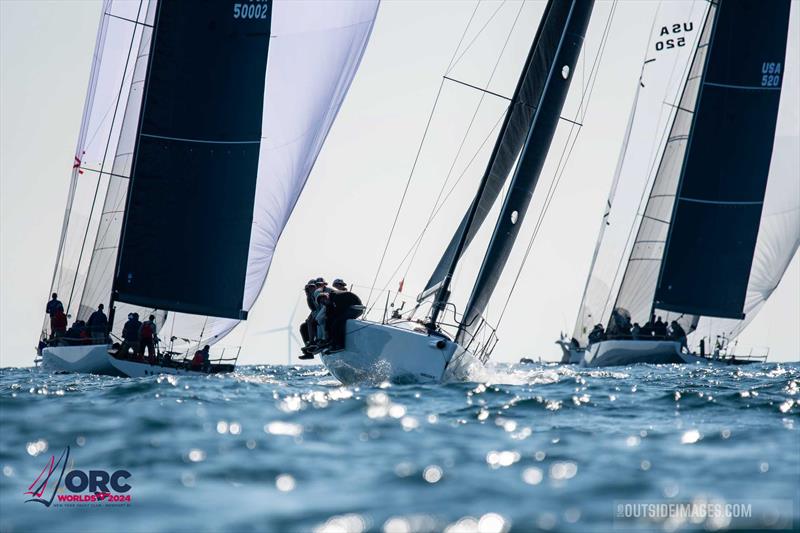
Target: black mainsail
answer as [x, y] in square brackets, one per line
[554, 55]
[194, 173]
[718, 205]
[510, 140]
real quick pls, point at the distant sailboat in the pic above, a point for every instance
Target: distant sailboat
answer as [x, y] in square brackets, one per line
[438, 348]
[201, 125]
[721, 216]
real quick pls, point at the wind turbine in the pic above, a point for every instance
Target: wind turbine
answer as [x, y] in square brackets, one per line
[290, 334]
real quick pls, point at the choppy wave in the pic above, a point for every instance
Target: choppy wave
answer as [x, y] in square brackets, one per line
[523, 447]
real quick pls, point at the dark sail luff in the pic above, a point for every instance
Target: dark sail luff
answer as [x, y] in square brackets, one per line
[509, 142]
[709, 249]
[186, 233]
[557, 53]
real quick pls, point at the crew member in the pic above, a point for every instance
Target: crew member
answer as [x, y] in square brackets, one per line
[98, 325]
[53, 306]
[344, 306]
[678, 333]
[308, 328]
[147, 339]
[660, 328]
[597, 334]
[58, 324]
[202, 359]
[130, 334]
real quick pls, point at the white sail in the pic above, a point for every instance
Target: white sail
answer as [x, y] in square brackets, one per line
[663, 75]
[132, 25]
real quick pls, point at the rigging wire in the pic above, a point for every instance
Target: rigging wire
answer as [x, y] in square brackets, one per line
[444, 201]
[416, 158]
[564, 158]
[466, 134]
[453, 63]
[105, 155]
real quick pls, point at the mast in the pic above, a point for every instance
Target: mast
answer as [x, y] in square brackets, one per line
[561, 52]
[508, 144]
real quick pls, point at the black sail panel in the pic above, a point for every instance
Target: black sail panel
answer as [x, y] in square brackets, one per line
[557, 54]
[710, 245]
[509, 142]
[190, 202]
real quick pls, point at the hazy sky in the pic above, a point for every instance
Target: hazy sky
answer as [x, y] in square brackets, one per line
[342, 220]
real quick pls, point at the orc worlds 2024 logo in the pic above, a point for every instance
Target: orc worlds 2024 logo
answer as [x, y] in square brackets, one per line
[92, 488]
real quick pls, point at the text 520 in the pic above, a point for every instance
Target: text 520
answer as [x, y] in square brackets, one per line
[250, 11]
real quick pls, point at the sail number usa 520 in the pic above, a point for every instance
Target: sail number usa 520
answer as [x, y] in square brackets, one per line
[250, 10]
[672, 40]
[770, 74]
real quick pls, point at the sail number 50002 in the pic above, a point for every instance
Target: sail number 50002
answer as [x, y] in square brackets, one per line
[250, 11]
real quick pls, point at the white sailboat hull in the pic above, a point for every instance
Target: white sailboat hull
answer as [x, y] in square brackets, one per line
[381, 352]
[631, 352]
[91, 359]
[654, 352]
[140, 369]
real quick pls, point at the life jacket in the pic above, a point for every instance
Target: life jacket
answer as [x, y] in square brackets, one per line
[60, 321]
[147, 331]
[197, 360]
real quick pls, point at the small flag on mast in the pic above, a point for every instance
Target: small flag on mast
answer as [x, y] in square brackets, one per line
[400, 288]
[77, 163]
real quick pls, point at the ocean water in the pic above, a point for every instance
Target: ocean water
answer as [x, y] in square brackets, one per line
[524, 448]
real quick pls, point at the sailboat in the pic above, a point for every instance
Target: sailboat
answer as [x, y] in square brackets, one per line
[703, 216]
[200, 129]
[445, 344]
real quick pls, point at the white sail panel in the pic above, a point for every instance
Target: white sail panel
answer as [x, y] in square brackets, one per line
[117, 42]
[124, 110]
[664, 72]
[644, 261]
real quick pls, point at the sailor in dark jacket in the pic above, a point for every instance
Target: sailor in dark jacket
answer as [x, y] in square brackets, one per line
[344, 306]
[98, 325]
[308, 327]
[130, 334]
[53, 307]
[678, 333]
